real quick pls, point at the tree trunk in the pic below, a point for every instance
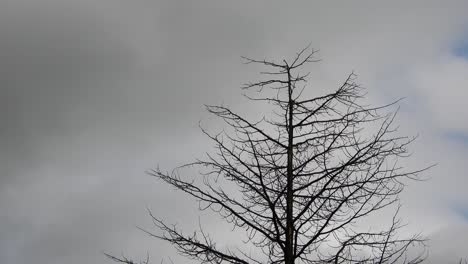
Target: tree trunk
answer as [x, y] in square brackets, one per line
[289, 254]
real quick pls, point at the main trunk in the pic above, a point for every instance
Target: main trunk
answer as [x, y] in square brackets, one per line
[289, 254]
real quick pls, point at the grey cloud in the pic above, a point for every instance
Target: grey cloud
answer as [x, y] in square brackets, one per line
[95, 92]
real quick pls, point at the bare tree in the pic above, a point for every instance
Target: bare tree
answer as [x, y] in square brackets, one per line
[301, 180]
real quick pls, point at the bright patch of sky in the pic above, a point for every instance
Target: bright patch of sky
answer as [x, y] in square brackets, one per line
[464, 213]
[461, 210]
[458, 138]
[461, 48]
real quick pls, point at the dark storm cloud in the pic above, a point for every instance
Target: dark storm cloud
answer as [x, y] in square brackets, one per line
[87, 89]
[52, 65]
[48, 67]
[68, 67]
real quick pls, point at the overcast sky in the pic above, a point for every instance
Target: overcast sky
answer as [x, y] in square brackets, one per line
[95, 92]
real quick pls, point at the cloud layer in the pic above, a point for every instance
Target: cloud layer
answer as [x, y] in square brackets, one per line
[93, 93]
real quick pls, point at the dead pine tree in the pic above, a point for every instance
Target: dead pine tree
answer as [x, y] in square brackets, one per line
[302, 180]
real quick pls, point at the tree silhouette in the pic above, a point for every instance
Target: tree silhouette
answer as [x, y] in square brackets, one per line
[301, 180]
